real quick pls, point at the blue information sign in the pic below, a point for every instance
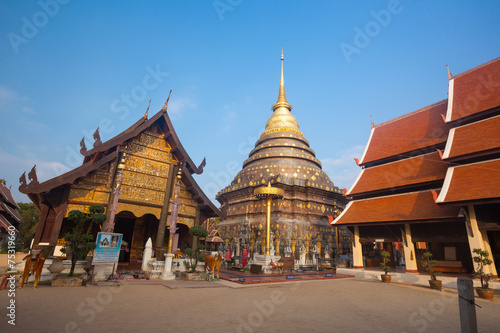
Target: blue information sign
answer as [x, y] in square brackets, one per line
[329, 275]
[107, 247]
[289, 277]
[241, 279]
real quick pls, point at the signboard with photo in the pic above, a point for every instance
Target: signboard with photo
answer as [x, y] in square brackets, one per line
[108, 247]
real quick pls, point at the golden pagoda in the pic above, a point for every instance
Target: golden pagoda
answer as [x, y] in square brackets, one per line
[283, 159]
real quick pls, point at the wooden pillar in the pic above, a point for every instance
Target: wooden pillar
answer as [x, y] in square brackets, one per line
[478, 239]
[357, 252]
[41, 225]
[162, 224]
[409, 250]
[196, 222]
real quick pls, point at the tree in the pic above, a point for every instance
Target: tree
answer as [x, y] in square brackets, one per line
[198, 232]
[27, 228]
[385, 262]
[80, 240]
[482, 260]
[427, 264]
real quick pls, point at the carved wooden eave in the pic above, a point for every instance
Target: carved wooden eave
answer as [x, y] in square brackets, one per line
[205, 204]
[68, 177]
[141, 125]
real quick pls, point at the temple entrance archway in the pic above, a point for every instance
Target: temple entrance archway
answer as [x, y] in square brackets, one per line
[136, 231]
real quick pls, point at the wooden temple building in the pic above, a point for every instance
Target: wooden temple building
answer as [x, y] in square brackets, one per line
[133, 176]
[282, 159]
[430, 180]
[9, 216]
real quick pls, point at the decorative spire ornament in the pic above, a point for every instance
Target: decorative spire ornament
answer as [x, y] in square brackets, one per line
[282, 102]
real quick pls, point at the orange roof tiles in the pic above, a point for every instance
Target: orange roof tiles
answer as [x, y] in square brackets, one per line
[410, 171]
[471, 183]
[400, 208]
[474, 91]
[420, 129]
[482, 137]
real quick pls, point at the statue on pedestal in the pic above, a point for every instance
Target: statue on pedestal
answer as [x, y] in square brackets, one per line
[302, 254]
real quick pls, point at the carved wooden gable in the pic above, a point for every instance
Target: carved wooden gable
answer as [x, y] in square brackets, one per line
[93, 189]
[147, 166]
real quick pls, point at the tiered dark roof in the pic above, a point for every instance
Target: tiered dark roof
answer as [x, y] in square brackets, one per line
[9, 216]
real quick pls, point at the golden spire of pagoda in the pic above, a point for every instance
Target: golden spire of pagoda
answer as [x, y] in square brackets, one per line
[282, 102]
[282, 118]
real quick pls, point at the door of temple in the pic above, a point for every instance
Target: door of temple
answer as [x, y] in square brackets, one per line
[125, 226]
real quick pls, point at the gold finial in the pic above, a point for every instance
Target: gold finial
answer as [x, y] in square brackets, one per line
[282, 102]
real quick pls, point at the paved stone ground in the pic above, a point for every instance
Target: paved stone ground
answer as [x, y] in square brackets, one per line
[340, 305]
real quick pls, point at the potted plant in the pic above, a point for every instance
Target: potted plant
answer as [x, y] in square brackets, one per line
[191, 273]
[80, 240]
[482, 260]
[427, 264]
[385, 266]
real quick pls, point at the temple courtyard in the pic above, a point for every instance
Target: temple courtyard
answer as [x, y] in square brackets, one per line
[333, 305]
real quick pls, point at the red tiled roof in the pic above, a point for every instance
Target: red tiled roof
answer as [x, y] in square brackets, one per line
[400, 208]
[420, 129]
[472, 183]
[474, 91]
[479, 138]
[410, 171]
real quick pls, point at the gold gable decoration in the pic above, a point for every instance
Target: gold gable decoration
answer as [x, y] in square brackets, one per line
[138, 210]
[183, 220]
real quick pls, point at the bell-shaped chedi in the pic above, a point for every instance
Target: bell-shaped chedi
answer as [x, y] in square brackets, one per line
[283, 158]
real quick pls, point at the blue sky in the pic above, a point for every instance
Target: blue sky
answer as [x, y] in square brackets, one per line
[69, 66]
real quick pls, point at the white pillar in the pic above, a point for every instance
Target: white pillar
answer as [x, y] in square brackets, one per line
[478, 240]
[357, 252]
[409, 250]
[146, 256]
[100, 276]
[167, 273]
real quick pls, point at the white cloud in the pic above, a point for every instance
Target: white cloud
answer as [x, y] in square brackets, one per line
[28, 110]
[12, 167]
[7, 95]
[229, 120]
[342, 169]
[180, 105]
